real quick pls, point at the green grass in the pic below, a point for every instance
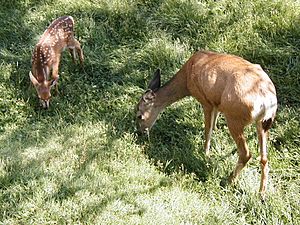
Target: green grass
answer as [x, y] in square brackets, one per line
[81, 161]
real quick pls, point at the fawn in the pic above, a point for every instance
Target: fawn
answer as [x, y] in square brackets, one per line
[46, 56]
[224, 83]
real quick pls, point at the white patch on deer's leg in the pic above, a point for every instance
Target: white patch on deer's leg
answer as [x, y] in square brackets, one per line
[216, 115]
[208, 130]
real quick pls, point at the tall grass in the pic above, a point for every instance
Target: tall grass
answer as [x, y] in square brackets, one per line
[81, 162]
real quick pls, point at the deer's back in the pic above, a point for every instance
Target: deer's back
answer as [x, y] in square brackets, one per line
[58, 31]
[52, 42]
[233, 85]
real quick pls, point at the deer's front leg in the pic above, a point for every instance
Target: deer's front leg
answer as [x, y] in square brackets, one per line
[55, 75]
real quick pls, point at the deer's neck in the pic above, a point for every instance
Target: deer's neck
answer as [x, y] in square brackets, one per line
[174, 90]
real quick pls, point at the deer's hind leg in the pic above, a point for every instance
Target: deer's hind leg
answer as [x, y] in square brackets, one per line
[79, 51]
[73, 54]
[74, 47]
[262, 139]
[236, 129]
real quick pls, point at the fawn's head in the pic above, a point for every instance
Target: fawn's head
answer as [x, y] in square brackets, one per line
[43, 90]
[147, 110]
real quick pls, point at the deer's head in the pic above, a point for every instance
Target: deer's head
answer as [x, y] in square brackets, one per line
[147, 109]
[43, 90]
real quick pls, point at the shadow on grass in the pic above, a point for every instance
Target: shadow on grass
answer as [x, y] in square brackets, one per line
[66, 192]
[171, 143]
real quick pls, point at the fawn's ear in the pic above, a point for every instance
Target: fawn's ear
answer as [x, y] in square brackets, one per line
[154, 84]
[53, 82]
[33, 79]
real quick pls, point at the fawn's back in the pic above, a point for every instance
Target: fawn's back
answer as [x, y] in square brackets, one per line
[53, 41]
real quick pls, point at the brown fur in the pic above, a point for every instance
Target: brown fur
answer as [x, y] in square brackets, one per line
[47, 53]
[224, 83]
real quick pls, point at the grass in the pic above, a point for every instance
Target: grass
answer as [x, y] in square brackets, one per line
[81, 161]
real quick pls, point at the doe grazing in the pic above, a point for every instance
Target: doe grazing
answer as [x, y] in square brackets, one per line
[46, 56]
[224, 83]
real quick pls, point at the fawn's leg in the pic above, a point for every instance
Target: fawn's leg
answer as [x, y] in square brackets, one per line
[75, 46]
[55, 75]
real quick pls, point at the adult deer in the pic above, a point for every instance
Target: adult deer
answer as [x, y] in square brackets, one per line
[242, 91]
[46, 56]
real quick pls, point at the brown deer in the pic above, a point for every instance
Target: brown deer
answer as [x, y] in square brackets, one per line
[46, 56]
[224, 83]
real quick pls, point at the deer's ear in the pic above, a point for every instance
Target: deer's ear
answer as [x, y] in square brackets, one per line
[53, 82]
[155, 82]
[33, 79]
[149, 96]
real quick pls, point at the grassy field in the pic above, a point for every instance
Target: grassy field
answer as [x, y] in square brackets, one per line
[81, 161]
